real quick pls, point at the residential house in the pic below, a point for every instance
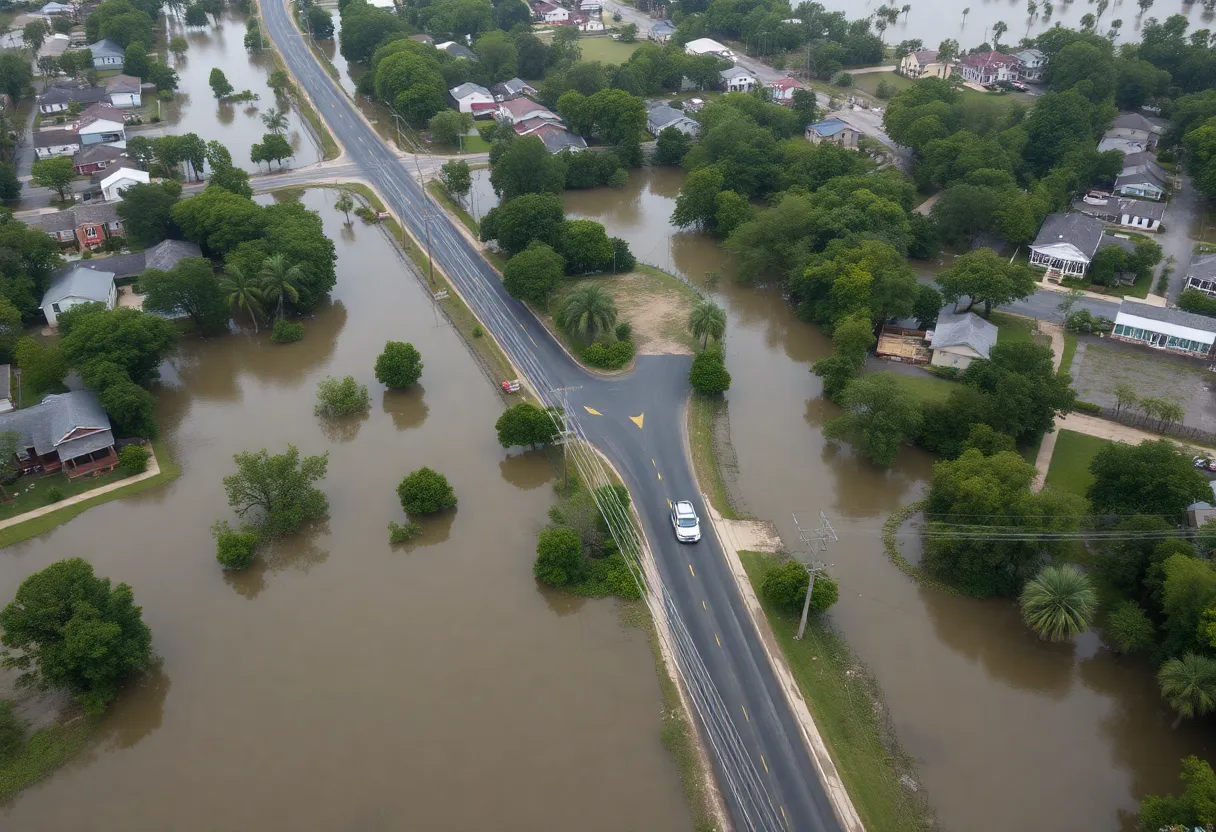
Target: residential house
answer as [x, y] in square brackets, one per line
[54, 9]
[662, 117]
[1171, 330]
[66, 432]
[57, 98]
[163, 256]
[960, 338]
[1124, 146]
[708, 46]
[513, 88]
[516, 110]
[783, 89]
[1067, 243]
[125, 91]
[1201, 274]
[96, 157]
[427, 39]
[382, 4]
[591, 7]
[119, 180]
[106, 54]
[6, 388]
[54, 45]
[457, 50]
[75, 285]
[530, 125]
[586, 23]
[833, 130]
[662, 31]
[547, 12]
[1147, 181]
[737, 79]
[51, 143]
[85, 225]
[1129, 213]
[1203, 511]
[557, 138]
[924, 63]
[986, 68]
[1033, 64]
[101, 124]
[466, 95]
[1136, 128]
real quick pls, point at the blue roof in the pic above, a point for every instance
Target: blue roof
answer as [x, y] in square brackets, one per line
[829, 126]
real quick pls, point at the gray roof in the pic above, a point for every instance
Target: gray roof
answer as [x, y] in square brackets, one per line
[123, 83]
[735, 71]
[1168, 316]
[96, 212]
[106, 48]
[1138, 175]
[662, 116]
[1202, 266]
[458, 51]
[964, 329]
[1081, 230]
[97, 153]
[55, 221]
[557, 138]
[120, 265]
[166, 254]
[76, 282]
[54, 138]
[516, 86]
[1137, 207]
[1124, 243]
[1144, 157]
[44, 425]
[66, 93]
[661, 27]
[1135, 121]
[465, 90]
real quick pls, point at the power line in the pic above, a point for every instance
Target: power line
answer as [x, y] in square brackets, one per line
[816, 541]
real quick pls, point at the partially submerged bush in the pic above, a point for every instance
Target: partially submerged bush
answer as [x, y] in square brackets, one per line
[286, 332]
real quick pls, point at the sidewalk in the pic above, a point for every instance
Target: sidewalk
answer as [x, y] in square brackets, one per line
[750, 535]
[153, 470]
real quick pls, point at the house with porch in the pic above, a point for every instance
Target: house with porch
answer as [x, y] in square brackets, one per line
[1066, 244]
[51, 143]
[661, 117]
[67, 432]
[1201, 274]
[125, 91]
[73, 286]
[57, 98]
[959, 338]
[106, 54]
[1033, 64]
[1169, 330]
[984, 68]
[924, 63]
[101, 124]
[737, 79]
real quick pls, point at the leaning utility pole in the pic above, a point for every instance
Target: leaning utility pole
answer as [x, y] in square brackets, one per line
[816, 541]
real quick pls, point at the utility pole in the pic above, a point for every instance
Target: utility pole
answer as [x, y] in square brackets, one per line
[816, 542]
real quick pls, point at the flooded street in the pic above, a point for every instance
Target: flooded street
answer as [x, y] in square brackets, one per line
[238, 125]
[346, 684]
[1009, 733]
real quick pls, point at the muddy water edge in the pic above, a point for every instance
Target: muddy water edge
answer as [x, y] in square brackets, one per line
[1008, 733]
[342, 683]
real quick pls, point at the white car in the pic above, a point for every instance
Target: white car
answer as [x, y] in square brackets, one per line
[684, 520]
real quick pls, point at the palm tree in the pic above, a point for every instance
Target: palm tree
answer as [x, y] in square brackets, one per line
[707, 320]
[275, 120]
[907, 7]
[966, 12]
[242, 293]
[345, 204]
[1059, 603]
[588, 312]
[1032, 8]
[1189, 685]
[1048, 9]
[279, 279]
[999, 28]
[1103, 5]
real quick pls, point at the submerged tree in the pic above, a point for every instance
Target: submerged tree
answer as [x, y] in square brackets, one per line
[277, 494]
[1189, 685]
[1059, 603]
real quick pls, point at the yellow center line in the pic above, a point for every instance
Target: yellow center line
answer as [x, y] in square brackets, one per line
[764, 764]
[783, 817]
[652, 462]
[694, 574]
[703, 606]
[669, 502]
[660, 476]
[745, 716]
[717, 639]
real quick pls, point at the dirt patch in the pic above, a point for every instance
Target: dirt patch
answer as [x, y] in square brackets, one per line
[656, 306]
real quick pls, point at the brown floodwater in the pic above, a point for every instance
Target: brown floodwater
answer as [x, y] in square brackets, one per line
[343, 684]
[237, 125]
[1009, 733]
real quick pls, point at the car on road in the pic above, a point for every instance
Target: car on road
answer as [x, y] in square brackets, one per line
[685, 521]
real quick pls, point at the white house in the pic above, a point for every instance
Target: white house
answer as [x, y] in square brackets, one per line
[113, 185]
[51, 143]
[74, 286]
[960, 338]
[516, 110]
[466, 95]
[548, 12]
[1137, 214]
[595, 7]
[661, 117]
[1066, 243]
[737, 79]
[924, 63]
[662, 31]
[1141, 181]
[586, 23]
[125, 91]
[1171, 330]
[1201, 274]
[985, 68]
[101, 124]
[106, 54]
[51, 9]
[1124, 146]
[1034, 64]
[783, 89]
[708, 46]
[456, 50]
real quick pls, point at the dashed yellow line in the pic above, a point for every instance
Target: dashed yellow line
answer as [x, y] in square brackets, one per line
[592, 411]
[717, 639]
[660, 477]
[703, 606]
[669, 502]
[652, 462]
[764, 764]
[694, 574]
[783, 817]
[745, 716]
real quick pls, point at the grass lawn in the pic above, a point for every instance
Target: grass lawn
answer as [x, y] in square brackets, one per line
[842, 698]
[701, 411]
[606, 50]
[925, 387]
[1070, 349]
[30, 493]
[1012, 328]
[1069, 470]
[45, 751]
[868, 83]
[1139, 289]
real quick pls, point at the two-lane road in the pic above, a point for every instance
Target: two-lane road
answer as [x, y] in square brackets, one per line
[640, 429]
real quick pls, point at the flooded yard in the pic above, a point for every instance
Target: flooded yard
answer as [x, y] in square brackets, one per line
[342, 683]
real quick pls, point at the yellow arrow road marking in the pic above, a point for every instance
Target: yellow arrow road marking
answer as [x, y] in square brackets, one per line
[660, 476]
[637, 420]
[694, 574]
[703, 606]
[592, 411]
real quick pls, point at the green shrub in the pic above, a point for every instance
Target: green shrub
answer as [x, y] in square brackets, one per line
[477, 331]
[401, 532]
[341, 397]
[602, 577]
[286, 332]
[234, 548]
[134, 459]
[623, 331]
[12, 732]
[559, 556]
[1128, 628]
[54, 494]
[425, 491]
[400, 365]
[1086, 407]
[609, 356]
[885, 91]
[784, 586]
[709, 374]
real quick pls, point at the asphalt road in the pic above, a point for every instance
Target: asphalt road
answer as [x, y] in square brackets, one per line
[649, 455]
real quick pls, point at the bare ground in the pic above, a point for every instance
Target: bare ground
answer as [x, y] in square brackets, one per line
[657, 308]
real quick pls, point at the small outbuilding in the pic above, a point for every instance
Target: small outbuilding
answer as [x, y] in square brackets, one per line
[960, 338]
[74, 286]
